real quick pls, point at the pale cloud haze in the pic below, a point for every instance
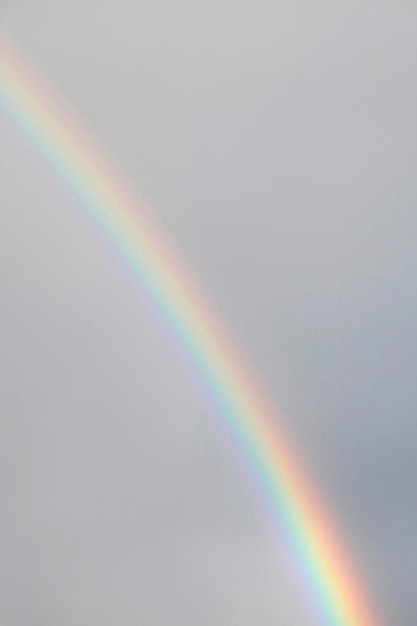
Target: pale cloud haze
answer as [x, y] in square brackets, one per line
[277, 142]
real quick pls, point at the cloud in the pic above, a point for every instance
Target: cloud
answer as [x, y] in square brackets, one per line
[277, 144]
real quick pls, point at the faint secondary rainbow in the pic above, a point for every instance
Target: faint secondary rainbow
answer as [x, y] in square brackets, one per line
[331, 581]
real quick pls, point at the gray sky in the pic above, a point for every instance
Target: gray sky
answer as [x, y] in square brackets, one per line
[277, 143]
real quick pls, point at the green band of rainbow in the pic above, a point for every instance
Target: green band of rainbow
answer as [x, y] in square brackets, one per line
[257, 429]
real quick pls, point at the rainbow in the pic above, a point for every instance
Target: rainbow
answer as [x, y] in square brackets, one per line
[331, 581]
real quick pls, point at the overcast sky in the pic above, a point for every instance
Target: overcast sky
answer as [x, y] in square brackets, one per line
[277, 142]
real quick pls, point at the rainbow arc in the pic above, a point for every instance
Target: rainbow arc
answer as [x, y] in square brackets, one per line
[332, 582]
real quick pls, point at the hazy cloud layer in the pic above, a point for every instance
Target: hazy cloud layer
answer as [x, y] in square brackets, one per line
[277, 143]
